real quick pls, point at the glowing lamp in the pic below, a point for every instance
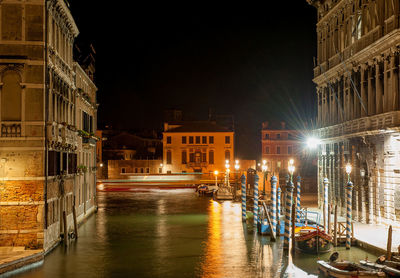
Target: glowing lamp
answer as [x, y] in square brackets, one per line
[216, 172]
[313, 142]
[348, 168]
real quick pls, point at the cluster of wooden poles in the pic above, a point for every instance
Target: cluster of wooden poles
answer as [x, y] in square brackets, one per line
[292, 212]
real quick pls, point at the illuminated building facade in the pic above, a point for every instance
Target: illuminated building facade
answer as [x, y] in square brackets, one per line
[357, 78]
[281, 143]
[200, 147]
[45, 166]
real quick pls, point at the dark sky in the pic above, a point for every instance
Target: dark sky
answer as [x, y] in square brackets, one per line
[252, 60]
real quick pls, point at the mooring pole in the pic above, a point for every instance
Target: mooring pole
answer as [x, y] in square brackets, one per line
[243, 180]
[288, 212]
[389, 244]
[348, 214]
[274, 181]
[255, 212]
[298, 199]
[325, 210]
[335, 228]
[278, 211]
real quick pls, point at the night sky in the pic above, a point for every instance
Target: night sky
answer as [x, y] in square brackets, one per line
[252, 60]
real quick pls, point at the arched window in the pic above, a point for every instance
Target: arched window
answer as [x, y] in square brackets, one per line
[169, 157]
[11, 97]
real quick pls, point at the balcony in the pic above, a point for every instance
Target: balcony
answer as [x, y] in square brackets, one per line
[89, 141]
[362, 126]
[11, 130]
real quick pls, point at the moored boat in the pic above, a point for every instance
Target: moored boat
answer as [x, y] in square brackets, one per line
[313, 241]
[345, 269]
[390, 271]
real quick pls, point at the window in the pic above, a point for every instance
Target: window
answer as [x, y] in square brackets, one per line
[266, 136]
[136, 170]
[267, 150]
[169, 157]
[290, 136]
[147, 170]
[204, 157]
[204, 140]
[211, 157]
[190, 139]
[11, 97]
[278, 150]
[227, 155]
[227, 139]
[184, 157]
[141, 170]
[123, 170]
[211, 139]
[160, 170]
[183, 139]
[278, 136]
[278, 164]
[168, 139]
[191, 157]
[289, 149]
[197, 139]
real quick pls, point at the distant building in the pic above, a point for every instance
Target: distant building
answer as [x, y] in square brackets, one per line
[280, 143]
[124, 153]
[200, 146]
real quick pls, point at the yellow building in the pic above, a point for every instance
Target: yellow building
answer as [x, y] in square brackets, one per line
[197, 147]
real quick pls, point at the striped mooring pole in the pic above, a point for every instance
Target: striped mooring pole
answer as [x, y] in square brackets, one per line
[243, 180]
[278, 209]
[325, 210]
[288, 214]
[255, 200]
[274, 181]
[298, 199]
[348, 214]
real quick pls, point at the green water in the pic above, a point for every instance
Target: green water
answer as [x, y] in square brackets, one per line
[171, 233]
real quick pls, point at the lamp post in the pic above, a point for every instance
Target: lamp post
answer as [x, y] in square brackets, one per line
[227, 166]
[349, 204]
[288, 211]
[161, 165]
[216, 178]
[264, 169]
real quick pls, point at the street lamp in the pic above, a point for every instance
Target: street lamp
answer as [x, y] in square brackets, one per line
[227, 166]
[264, 169]
[161, 165]
[291, 169]
[313, 142]
[349, 206]
[348, 171]
[216, 178]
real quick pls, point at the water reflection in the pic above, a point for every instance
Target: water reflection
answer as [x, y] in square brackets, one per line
[172, 233]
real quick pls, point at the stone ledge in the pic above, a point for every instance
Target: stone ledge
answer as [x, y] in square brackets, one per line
[20, 259]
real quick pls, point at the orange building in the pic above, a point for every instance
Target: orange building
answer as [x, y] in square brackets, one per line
[197, 147]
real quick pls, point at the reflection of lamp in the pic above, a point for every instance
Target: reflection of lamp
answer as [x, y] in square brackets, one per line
[227, 166]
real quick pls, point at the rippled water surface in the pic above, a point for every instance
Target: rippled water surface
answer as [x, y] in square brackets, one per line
[171, 233]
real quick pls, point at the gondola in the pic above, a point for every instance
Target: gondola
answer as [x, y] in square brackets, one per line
[312, 241]
[345, 269]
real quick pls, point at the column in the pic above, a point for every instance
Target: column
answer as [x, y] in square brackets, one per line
[379, 89]
[363, 93]
[319, 124]
[394, 74]
[377, 202]
[371, 98]
[363, 202]
[370, 199]
[387, 93]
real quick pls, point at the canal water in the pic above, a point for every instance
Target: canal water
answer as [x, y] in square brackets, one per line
[172, 233]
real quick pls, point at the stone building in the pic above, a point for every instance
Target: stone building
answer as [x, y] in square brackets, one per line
[357, 78]
[197, 147]
[280, 143]
[41, 99]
